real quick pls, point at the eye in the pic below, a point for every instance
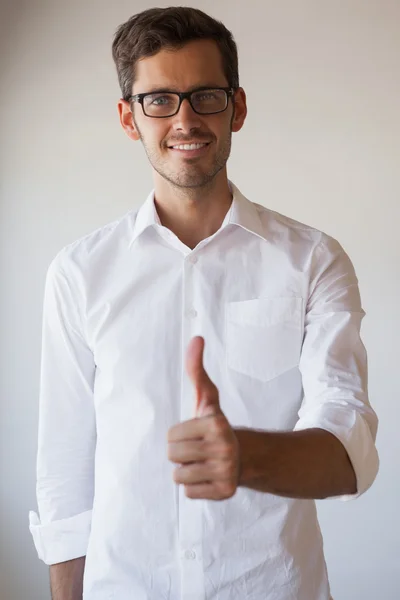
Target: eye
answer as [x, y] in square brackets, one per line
[159, 99]
[205, 96]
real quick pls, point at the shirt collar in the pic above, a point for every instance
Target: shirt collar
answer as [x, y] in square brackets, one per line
[242, 213]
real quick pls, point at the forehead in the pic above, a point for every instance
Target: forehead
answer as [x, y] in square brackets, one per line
[198, 63]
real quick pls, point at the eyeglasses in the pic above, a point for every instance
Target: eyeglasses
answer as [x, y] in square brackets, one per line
[204, 101]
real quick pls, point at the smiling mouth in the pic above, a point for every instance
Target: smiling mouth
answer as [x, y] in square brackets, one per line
[189, 147]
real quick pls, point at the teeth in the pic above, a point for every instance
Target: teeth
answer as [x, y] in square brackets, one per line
[189, 146]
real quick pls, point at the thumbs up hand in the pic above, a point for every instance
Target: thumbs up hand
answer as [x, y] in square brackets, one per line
[206, 447]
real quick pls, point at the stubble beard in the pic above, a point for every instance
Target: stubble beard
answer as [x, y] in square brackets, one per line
[193, 175]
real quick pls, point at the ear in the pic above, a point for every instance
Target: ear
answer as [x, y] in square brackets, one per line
[126, 118]
[240, 108]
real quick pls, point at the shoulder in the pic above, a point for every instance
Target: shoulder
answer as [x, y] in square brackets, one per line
[279, 226]
[280, 221]
[104, 243]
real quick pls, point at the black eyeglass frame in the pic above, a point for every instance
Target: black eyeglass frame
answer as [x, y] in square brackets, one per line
[230, 91]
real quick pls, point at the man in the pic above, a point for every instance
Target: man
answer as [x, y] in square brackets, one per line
[203, 377]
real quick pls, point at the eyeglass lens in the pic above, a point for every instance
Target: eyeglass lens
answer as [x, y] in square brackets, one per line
[166, 104]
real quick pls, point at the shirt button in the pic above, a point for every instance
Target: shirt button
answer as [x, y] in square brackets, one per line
[193, 259]
[192, 313]
[190, 554]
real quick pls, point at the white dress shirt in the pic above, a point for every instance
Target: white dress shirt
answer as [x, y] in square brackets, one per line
[279, 307]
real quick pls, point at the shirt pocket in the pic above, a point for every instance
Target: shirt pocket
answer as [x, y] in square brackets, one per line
[264, 336]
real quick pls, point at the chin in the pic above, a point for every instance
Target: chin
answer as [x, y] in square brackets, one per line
[187, 180]
[190, 181]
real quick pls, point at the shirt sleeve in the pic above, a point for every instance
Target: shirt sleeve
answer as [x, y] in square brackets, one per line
[333, 362]
[67, 432]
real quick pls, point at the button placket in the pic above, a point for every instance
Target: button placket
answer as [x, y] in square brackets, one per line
[190, 511]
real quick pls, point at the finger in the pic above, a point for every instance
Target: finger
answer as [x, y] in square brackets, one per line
[186, 452]
[187, 430]
[201, 491]
[202, 472]
[194, 362]
[209, 491]
[207, 398]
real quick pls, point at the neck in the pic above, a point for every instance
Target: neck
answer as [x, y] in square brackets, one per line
[193, 214]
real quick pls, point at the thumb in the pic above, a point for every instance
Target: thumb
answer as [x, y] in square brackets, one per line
[207, 397]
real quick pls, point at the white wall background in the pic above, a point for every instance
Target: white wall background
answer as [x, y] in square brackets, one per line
[321, 144]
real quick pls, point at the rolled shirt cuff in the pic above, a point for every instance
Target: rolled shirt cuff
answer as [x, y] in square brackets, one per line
[61, 540]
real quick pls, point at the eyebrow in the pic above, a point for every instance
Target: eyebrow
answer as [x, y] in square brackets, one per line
[160, 90]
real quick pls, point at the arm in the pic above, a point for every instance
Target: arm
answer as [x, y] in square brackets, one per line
[332, 450]
[67, 430]
[66, 579]
[301, 464]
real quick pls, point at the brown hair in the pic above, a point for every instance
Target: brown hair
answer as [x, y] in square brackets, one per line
[149, 31]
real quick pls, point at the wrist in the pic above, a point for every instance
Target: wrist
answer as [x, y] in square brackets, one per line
[252, 455]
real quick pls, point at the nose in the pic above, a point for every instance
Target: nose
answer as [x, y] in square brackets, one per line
[186, 119]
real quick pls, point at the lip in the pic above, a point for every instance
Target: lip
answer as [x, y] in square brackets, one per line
[191, 153]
